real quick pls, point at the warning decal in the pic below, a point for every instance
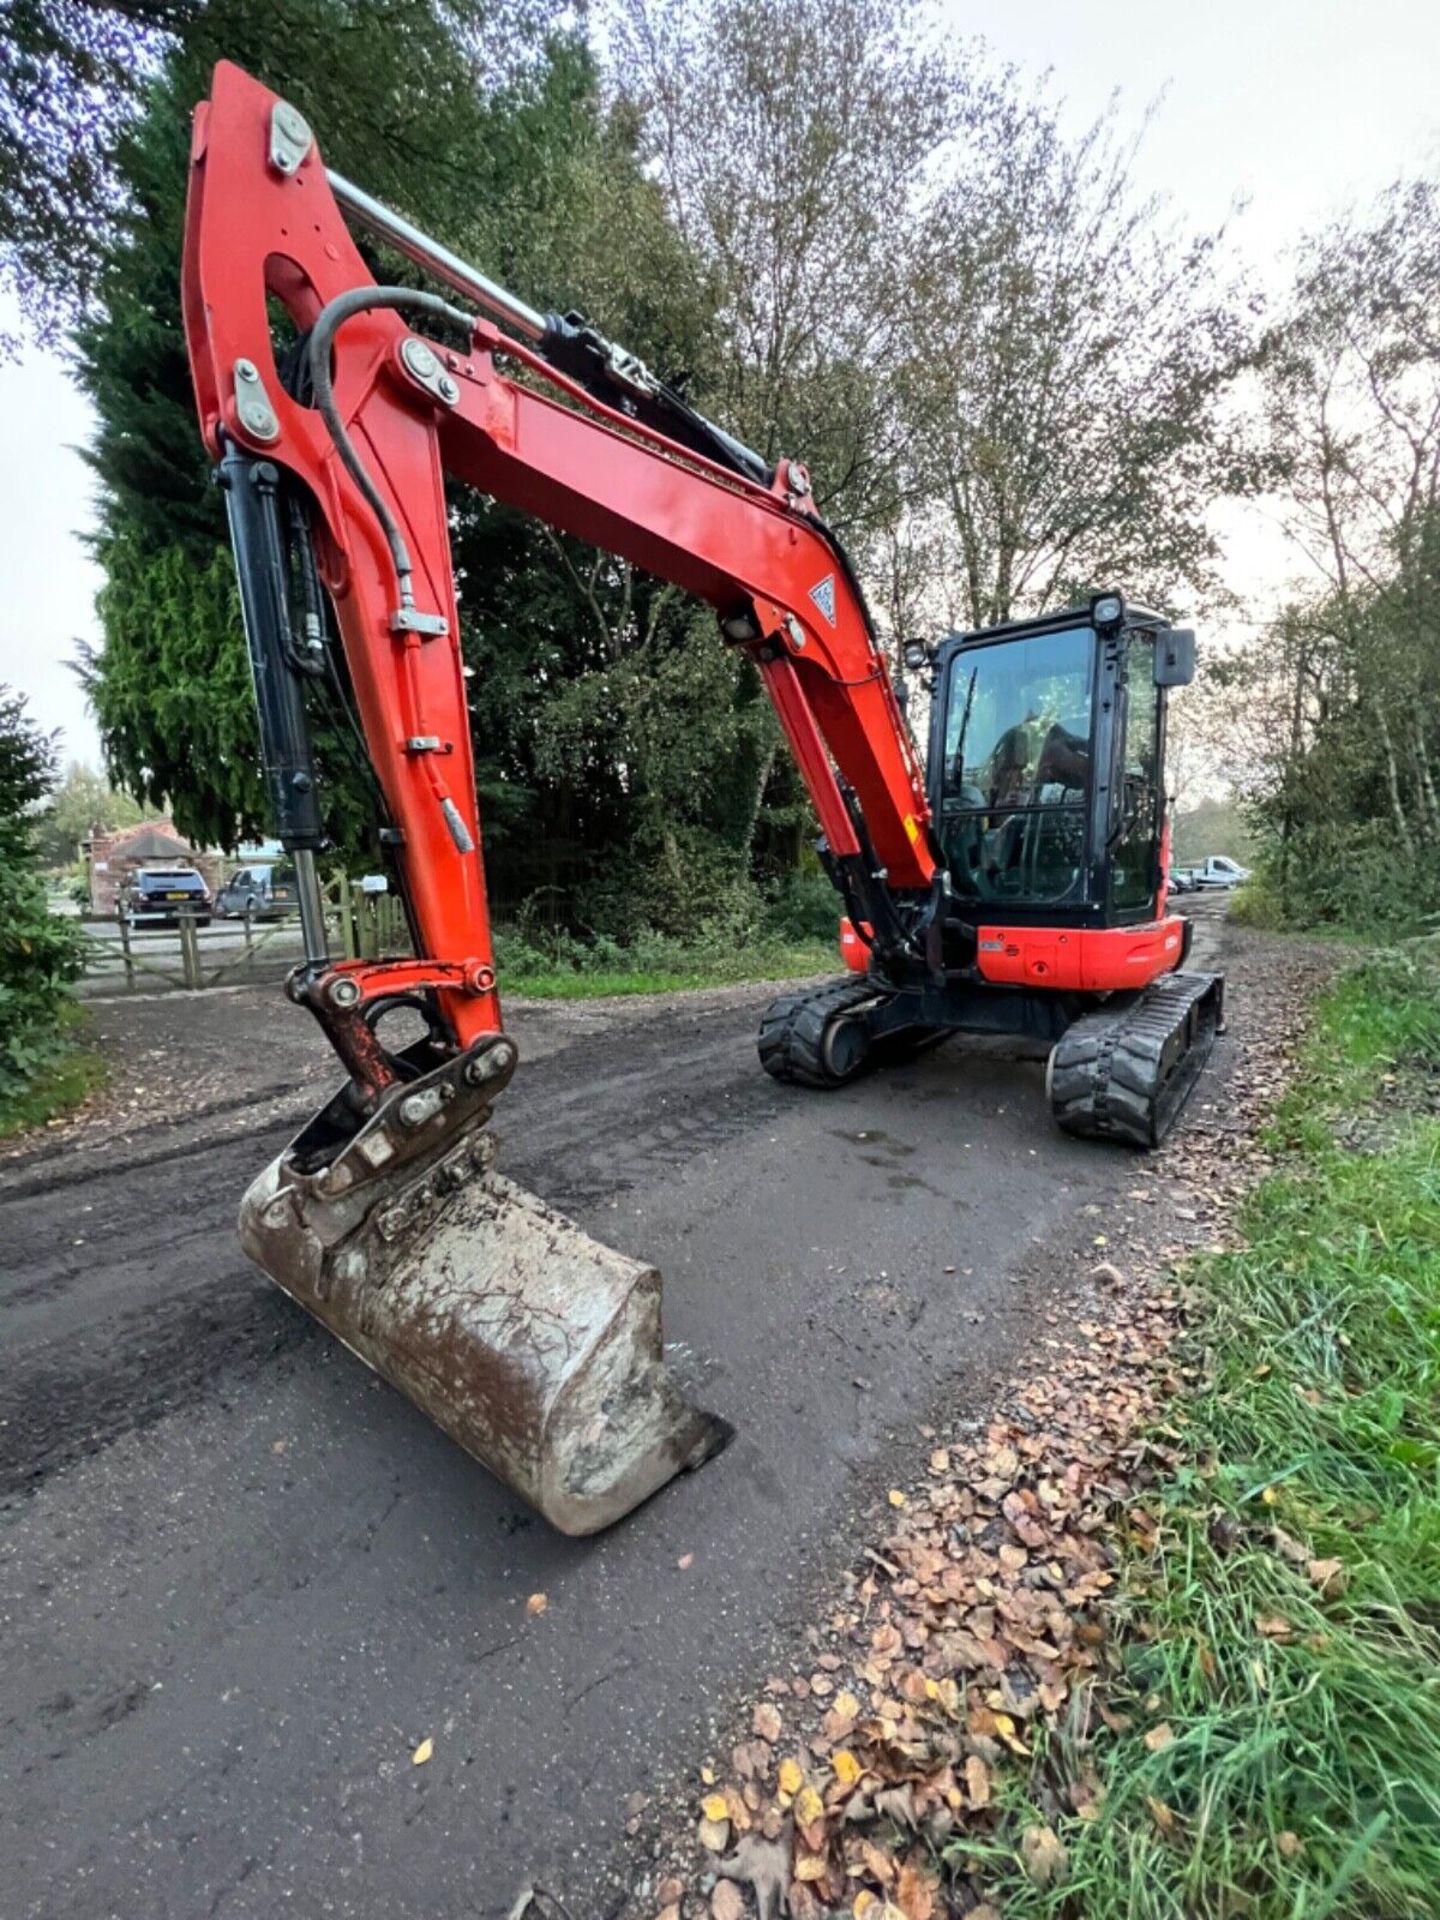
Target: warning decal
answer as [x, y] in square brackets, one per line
[824, 597]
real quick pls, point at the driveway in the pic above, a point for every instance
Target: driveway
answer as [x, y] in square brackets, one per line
[240, 1579]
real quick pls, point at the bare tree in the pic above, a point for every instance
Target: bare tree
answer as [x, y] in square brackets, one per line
[1070, 356]
[796, 141]
[1352, 377]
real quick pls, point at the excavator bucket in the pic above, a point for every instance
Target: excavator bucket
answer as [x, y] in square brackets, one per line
[535, 1347]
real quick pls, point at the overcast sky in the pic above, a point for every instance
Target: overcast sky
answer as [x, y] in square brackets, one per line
[1299, 106]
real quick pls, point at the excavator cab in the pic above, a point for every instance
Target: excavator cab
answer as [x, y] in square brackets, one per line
[1046, 788]
[1046, 742]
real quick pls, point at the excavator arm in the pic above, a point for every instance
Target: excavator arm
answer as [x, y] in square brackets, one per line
[392, 390]
[336, 408]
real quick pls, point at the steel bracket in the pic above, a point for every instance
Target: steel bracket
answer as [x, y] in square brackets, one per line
[290, 138]
[406, 620]
[253, 406]
[422, 364]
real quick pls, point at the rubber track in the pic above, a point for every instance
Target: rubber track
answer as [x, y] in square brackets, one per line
[792, 1033]
[1124, 1073]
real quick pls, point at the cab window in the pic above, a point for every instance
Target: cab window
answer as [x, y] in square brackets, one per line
[1017, 768]
[1135, 851]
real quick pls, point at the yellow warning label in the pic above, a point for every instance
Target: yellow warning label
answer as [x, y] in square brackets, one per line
[912, 827]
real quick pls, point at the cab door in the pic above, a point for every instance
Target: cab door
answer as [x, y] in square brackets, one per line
[1135, 805]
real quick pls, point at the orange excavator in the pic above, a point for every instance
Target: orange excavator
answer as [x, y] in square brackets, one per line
[1012, 883]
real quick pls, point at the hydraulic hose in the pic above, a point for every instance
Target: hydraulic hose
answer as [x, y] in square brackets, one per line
[322, 337]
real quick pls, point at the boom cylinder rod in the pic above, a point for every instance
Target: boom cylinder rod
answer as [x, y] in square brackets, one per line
[311, 900]
[447, 266]
[252, 507]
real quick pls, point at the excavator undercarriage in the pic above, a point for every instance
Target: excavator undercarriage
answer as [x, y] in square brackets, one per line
[1011, 882]
[1121, 1070]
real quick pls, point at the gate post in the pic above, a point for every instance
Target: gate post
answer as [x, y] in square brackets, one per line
[348, 929]
[190, 951]
[125, 952]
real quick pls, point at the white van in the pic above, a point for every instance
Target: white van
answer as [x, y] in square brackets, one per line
[1219, 871]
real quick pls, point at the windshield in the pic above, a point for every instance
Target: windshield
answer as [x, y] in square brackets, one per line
[1017, 767]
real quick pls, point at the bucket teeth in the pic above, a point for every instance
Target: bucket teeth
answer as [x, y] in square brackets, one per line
[533, 1345]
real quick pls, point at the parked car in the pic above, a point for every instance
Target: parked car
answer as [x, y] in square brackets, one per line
[1220, 871]
[158, 896]
[258, 893]
[1182, 880]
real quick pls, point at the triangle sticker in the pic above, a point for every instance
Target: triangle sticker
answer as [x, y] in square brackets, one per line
[824, 597]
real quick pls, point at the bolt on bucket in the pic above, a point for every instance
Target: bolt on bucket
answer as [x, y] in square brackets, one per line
[533, 1345]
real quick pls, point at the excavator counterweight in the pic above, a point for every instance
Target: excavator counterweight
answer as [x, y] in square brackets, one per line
[1015, 885]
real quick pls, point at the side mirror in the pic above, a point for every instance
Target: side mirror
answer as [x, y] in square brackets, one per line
[1174, 656]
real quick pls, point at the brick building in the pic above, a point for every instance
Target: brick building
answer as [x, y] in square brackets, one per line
[111, 858]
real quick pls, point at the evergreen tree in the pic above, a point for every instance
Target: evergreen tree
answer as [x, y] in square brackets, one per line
[538, 181]
[39, 953]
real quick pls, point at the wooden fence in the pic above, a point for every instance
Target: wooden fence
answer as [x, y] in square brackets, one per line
[191, 956]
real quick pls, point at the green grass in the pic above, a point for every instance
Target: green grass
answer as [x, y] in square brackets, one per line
[1304, 1776]
[527, 974]
[62, 1084]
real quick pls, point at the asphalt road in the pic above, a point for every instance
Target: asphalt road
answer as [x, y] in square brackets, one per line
[240, 1579]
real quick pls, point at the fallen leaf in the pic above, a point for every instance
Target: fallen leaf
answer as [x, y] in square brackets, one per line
[727, 1902]
[896, 1497]
[713, 1835]
[810, 1866]
[766, 1721]
[738, 1811]
[715, 1807]
[1044, 1855]
[1289, 1844]
[707, 1774]
[1163, 1816]
[422, 1753]
[809, 1808]
[1328, 1576]
[977, 1780]
[847, 1767]
[897, 1804]
[940, 1460]
[915, 1896]
[1274, 1626]
[791, 1778]
[846, 1706]
[1005, 1727]
[537, 1603]
[867, 1905]
[1159, 1738]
